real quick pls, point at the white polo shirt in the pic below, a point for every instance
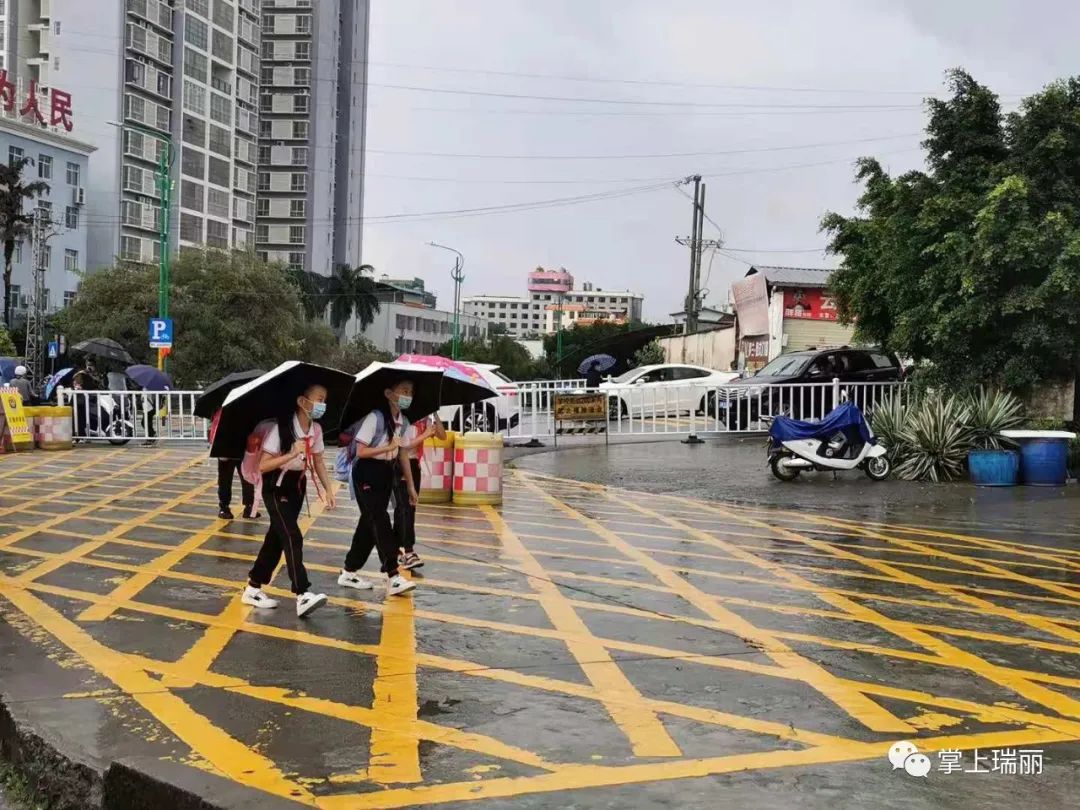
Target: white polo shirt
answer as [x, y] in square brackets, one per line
[365, 434]
[272, 443]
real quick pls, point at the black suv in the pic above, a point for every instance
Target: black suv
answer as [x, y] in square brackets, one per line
[799, 385]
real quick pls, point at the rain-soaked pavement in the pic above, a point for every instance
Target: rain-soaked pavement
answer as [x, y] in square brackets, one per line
[712, 640]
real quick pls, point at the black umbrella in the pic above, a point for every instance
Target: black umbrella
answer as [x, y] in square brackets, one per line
[213, 396]
[105, 349]
[368, 390]
[272, 396]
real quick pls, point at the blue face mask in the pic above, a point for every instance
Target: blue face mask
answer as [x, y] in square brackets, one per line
[318, 410]
[404, 401]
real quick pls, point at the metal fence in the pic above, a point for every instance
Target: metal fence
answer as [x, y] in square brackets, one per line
[683, 410]
[521, 412]
[122, 416]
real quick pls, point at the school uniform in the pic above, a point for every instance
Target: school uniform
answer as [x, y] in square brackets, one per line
[283, 492]
[227, 468]
[404, 512]
[373, 483]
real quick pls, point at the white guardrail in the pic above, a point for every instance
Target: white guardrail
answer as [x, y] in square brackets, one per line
[122, 416]
[523, 410]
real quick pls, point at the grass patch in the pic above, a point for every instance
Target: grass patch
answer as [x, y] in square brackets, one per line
[16, 790]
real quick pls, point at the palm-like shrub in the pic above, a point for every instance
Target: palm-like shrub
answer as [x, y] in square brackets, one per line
[935, 440]
[990, 413]
[888, 421]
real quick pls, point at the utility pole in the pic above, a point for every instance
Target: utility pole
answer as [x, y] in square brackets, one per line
[165, 189]
[560, 305]
[458, 275]
[697, 243]
[35, 317]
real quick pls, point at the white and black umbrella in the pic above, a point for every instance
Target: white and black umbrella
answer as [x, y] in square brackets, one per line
[369, 387]
[273, 396]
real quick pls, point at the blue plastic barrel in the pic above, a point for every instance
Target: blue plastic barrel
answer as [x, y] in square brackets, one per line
[994, 468]
[1043, 462]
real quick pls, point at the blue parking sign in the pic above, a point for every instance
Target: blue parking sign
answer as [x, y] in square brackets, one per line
[161, 333]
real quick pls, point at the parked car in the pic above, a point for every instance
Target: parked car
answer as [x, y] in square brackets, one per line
[494, 415]
[781, 386]
[668, 389]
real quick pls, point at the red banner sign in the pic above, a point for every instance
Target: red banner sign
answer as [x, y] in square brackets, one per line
[59, 103]
[809, 304]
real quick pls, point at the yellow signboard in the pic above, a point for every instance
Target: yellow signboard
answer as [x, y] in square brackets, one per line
[581, 407]
[15, 418]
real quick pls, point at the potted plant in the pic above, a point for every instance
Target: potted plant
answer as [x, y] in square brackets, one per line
[992, 461]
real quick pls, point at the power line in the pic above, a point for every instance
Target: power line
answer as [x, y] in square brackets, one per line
[609, 156]
[643, 102]
[648, 82]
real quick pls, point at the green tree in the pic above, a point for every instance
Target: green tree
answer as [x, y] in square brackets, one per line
[232, 311]
[350, 292]
[511, 357]
[651, 354]
[355, 355]
[15, 219]
[7, 345]
[353, 293]
[972, 267]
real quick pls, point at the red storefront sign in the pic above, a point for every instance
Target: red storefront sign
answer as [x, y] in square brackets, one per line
[809, 304]
[59, 103]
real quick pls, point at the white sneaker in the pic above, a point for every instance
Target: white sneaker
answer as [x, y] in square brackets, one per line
[307, 602]
[350, 579]
[399, 585]
[256, 598]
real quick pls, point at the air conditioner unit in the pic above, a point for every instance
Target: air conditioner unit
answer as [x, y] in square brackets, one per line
[78, 195]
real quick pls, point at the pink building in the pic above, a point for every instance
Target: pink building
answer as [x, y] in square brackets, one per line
[550, 281]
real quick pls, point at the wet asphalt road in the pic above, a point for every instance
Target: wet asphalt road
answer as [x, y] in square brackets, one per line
[710, 638]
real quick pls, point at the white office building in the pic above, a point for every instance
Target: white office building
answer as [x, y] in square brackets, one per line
[408, 322]
[553, 291]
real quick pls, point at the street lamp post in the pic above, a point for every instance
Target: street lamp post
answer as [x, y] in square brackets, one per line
[458, 275]
[164, 181]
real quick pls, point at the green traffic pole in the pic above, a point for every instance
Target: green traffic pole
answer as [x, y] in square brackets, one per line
[164, 187]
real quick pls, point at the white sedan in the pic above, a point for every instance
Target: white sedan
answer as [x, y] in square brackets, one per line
[663, 390]
[494, 415]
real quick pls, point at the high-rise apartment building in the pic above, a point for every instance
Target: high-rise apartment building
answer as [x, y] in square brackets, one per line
[144, 74]
[264, 128]
[313, 96]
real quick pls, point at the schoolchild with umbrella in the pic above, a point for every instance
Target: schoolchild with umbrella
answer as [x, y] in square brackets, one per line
[375, 421]
[208, 406]
[273, 422]
[460, 385]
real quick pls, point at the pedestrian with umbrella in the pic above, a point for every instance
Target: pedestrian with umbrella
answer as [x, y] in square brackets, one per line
[376, 417]
[273, 423]
[460, 385]
[150, 380]
[592, 367]
[208, 406]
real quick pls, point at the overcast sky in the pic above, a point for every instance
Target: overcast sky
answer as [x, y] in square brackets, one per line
[835, 79]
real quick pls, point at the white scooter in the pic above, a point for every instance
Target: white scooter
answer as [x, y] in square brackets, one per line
[824, 447]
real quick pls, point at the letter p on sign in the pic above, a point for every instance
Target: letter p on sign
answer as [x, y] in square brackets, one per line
[161, 333]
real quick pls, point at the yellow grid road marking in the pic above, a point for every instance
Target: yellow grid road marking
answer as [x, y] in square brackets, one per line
[646, 733]
[856, 704]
